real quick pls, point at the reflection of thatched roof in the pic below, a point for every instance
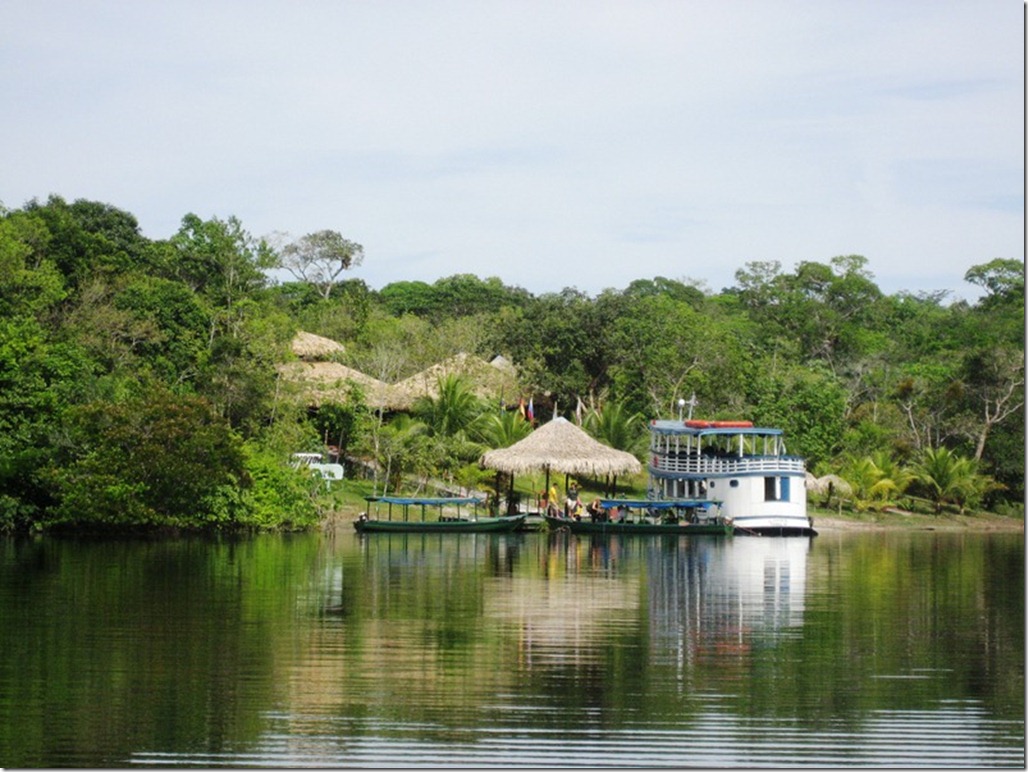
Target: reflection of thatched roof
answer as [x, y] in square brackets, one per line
[324, 381]
[561, 446]
[308, 346]
[486, 380]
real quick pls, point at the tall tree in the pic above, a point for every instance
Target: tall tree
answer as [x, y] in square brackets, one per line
[320, 258]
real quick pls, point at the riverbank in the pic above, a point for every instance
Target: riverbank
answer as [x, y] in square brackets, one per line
[826, 520]
[893, 520]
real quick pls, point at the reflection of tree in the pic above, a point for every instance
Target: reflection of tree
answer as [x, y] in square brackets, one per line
[155, 645]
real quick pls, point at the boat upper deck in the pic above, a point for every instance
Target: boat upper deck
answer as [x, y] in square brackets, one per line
[718, 466]
[696, 448]
[711, 428]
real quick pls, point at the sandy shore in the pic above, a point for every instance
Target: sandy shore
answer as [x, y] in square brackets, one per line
[908, 521]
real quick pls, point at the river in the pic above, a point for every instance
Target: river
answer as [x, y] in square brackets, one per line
[846, 649]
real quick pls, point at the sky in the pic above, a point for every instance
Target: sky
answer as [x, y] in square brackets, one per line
[549, 143]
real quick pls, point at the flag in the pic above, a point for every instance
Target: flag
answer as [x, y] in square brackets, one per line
[578, 411]
[531, 413]
[521, 407]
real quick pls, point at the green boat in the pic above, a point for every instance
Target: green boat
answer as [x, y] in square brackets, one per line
[665, 517]
[436, 522]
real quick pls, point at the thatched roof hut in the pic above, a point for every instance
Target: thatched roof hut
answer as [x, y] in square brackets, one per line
[830, 483]
[326, 381]
[310, 347]
[561, 446]
[486, 380]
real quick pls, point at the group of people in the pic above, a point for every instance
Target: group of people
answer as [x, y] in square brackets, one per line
[572, 507]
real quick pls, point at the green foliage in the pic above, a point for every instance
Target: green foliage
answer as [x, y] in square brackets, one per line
[138, 381]
[947, 478]
[454, 296]
[277, 497]
[157, 460]
[877, 480]
[501, 429]
[452, 410]
[809, 404]
[615, 425]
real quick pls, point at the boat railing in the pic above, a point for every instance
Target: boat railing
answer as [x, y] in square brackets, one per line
[725, 465]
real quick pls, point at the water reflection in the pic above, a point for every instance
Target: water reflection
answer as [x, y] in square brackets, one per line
[715, 600]
[536, 649]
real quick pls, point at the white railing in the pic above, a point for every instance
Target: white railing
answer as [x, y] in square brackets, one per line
[716, 466]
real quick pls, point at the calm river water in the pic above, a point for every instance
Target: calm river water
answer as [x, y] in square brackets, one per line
[883, 649]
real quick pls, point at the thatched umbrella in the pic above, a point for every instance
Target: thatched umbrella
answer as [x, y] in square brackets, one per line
[562, 447]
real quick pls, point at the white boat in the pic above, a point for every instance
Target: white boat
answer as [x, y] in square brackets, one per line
[761, 489]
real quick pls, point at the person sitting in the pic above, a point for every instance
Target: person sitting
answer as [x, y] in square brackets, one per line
[596, 513]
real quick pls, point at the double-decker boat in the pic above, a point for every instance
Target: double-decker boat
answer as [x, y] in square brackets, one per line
[761, 489]
[431, 514]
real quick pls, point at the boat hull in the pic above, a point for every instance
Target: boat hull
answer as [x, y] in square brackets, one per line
[773, 526]
[481, 525]
[640, 528]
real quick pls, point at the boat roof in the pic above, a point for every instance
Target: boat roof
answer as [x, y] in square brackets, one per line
[437, 501]
[655, 503]
[708, 428]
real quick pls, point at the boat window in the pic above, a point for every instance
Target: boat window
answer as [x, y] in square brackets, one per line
[770, 492]
[734, 483]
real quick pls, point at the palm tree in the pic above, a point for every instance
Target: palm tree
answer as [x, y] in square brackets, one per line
[612, 424]
[947, 477]
[452, 410]
[876, 479]
[501, 429]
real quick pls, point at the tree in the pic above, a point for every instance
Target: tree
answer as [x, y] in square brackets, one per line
[994, 379]
[501, 429]
[156, 460]
[453, 410]
[876, 479]
[948, 478]
[617, 426]
[218, 259]
[320, 258]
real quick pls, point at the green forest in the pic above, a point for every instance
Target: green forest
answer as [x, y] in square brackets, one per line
[140, 389]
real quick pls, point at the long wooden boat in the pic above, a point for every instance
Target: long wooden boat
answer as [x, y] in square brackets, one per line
[431, 516]
[666, 517]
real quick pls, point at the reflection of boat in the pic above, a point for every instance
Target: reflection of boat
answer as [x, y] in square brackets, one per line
[438, 522]
[722, 600]
[760, 487]
[670, 517]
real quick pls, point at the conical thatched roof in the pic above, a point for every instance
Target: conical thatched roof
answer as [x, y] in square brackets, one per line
[486, 380]
[326, 381]
[561, 446]
[839, 485]
[308, 346]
